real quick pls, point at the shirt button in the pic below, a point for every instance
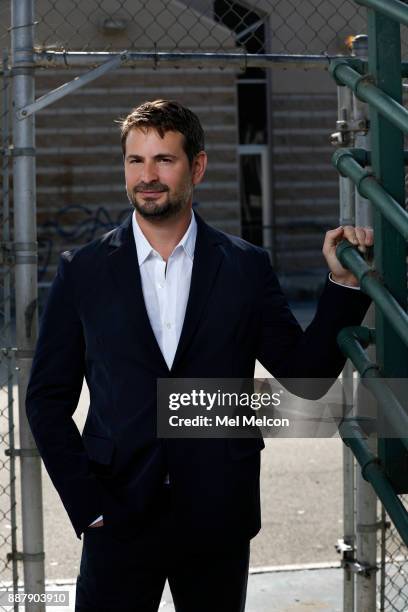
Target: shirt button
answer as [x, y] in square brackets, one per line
[160, 286]
[168, 325]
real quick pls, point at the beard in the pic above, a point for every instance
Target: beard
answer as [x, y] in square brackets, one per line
[149, 208]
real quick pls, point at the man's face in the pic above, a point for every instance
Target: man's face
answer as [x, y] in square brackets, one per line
[159, 180]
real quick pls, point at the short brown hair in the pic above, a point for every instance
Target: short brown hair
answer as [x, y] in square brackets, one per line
[166, 116]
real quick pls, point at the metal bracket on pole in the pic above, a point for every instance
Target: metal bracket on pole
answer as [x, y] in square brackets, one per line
[12, 151]
[12, 253]
[346, 129]
[371, 528]
[21, 452]
[21, 556]
[359, 568]
[21, 151]
[351, 564]
[67, 88]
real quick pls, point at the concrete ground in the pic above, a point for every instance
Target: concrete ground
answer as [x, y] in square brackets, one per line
[280, 590]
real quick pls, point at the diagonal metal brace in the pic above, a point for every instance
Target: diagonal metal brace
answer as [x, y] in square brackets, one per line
[67, 88]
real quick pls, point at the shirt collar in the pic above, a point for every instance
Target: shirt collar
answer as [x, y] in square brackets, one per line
[144, 248]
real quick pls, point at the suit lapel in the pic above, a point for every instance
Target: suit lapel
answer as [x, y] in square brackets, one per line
[208, 255]
[124, 268]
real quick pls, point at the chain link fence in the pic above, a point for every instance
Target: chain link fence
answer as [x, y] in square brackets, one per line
[222, 26]
[284, 26]
[8, 482]
[392, 591]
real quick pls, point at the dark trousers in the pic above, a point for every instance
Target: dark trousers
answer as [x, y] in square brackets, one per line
[129, 575]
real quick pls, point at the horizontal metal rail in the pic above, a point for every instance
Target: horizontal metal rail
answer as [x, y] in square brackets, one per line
[365, 90]
[394, 9]
[351, 341]
[162, 59]
[154, 59]
[373, 472]
[224, 61]
[396, 316]
[367, 186]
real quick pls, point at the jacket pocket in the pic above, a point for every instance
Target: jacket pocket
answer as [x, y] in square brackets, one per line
[98, 449]
[239, 448]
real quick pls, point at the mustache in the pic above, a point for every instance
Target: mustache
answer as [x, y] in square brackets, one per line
[150, 187]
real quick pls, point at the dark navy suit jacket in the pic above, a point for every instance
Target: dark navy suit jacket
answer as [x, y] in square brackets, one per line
[96, 325]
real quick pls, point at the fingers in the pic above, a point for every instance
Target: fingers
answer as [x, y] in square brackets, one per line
[361, 237]
[332, 238]
[350, 233]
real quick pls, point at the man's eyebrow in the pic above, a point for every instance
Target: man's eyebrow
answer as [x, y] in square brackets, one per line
[158, 156]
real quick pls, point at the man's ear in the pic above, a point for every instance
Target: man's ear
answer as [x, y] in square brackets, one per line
[198, 167]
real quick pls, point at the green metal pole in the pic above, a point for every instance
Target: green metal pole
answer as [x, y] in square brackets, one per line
[372, 471]
[364, 88]
[387, 305]
[351, 341]
[393, 9]
[390, 248]
[369, 188]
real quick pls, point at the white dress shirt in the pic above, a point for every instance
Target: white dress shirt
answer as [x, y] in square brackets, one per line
[166, 287]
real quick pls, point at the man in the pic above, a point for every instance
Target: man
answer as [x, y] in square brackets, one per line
[166, 295]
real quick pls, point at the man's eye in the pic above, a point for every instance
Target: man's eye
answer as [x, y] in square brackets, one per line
[135, 161]
[166, 160]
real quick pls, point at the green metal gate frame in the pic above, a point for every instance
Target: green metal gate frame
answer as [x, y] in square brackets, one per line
[379, 83]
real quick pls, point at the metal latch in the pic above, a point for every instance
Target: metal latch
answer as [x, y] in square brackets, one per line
[350, 563]
[359, 568]
[342, 547]
[345, 128]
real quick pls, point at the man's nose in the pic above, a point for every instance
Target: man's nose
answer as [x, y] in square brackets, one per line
[149, 172]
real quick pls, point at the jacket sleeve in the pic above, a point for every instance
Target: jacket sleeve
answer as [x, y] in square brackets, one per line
[52, 398]
[287, 351]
